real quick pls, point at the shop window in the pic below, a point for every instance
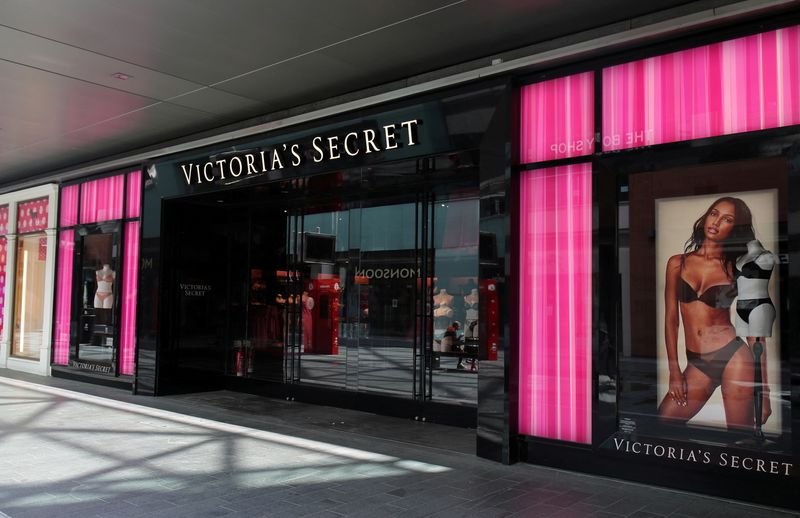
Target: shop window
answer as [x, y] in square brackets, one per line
[703, 267]
[31, 260]
[96, 281]
[557, 118]
[555, 315]
[97, 299]
[740, 85]
[29, 295]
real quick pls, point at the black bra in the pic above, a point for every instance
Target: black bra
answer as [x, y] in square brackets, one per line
[752, 270]
[720, 296]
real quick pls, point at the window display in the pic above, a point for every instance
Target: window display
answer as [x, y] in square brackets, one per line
[96, 285]
[98, 322]
[29, 296]
[703, 352]
[31, 271]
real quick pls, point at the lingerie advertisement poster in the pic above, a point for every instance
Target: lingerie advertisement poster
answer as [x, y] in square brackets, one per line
[707, 375]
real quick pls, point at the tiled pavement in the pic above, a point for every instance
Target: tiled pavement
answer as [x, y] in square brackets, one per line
[95, 451]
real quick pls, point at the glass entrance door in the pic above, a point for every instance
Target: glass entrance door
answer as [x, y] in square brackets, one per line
[383, 296]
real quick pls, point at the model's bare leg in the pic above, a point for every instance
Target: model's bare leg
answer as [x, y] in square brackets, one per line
[737, 390]
[699, 388]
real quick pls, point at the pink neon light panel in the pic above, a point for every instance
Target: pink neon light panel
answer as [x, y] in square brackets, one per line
[555, 315]
[66, 253]
[129, 290]
[746, 84]
[102, 200]
[69, 206]
[557, 118]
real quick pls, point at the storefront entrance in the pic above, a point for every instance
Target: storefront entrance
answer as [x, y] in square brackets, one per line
[356, 283]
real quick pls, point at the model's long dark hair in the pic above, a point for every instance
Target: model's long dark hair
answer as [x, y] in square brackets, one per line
[735, 245]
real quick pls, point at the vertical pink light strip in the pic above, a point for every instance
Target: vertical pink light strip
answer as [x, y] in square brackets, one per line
[557, 118]
[740, 85]
[3, 255]
[66, 248]
[134, 195]
[555, 312]
[101, 200]
[129, 289]
[69, 206]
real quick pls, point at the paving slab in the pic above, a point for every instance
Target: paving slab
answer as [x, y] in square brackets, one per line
[68, 449]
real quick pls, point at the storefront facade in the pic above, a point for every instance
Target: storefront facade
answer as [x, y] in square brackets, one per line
[94, 334]
[593, 266]
[337, 263]
[656, 267]
[27, 263]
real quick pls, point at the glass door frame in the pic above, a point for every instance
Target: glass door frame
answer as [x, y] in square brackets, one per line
[421, 307]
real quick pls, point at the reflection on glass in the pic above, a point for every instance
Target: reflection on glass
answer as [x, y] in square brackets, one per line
[358, 299]
[455, 299]
[29, 296]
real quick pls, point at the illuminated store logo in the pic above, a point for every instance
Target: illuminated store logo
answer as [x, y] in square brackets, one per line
[293, 154]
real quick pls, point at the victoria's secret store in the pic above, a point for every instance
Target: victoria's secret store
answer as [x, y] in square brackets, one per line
[611, 295]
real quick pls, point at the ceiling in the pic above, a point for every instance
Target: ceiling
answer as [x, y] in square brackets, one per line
[193, 65]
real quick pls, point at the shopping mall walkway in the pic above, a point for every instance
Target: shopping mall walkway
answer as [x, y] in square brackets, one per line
[68, 449]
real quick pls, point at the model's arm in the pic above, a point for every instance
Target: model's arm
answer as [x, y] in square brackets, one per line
[677, 381]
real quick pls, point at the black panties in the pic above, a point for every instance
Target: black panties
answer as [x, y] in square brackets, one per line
[713, 364]
[745, 307]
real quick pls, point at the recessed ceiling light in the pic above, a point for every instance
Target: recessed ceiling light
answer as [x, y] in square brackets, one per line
[121, 76]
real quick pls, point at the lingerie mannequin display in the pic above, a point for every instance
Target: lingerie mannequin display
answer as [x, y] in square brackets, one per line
[472, 297]
[443, 299]
[471, 310]
[442, 317]
[104, 296]
[444, 312]
[755, 313]
[307, 304]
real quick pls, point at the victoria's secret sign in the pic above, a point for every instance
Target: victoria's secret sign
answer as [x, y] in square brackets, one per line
[320, 149]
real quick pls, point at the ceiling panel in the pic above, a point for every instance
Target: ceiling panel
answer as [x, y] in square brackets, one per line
[45, 54]
[146, 127]
[199, 64]
[60, 103]
[218, 102]
[296, 82]
[204, 41]
[438, 40]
